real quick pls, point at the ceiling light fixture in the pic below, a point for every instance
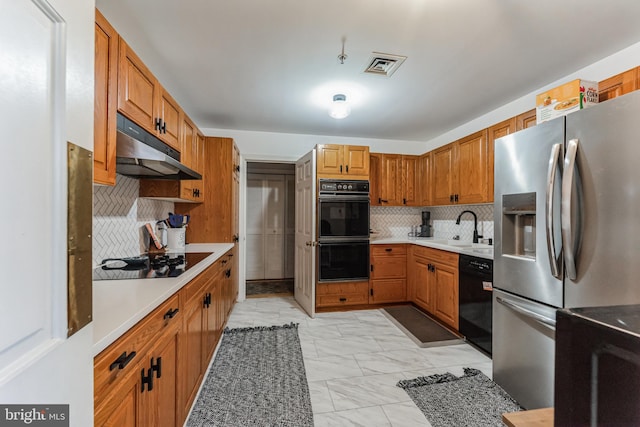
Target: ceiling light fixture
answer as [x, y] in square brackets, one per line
[339, 109]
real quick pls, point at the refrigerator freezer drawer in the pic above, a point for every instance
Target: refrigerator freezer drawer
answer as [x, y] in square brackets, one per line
[524, 349]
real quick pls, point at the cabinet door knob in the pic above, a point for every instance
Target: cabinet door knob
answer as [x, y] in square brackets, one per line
[340, 168]
[164, 127]
[456, 198]
[347, 167]
[451, 198]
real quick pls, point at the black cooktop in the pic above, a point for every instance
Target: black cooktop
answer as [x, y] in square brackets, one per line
[152, 266]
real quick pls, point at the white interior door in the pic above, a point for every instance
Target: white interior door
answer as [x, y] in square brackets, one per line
[266, 196]
[255, 228]
[289, 226]
[305, 238]
[274, 226]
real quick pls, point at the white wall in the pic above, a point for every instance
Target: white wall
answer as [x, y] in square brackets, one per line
[605, 68]
[285, 146]
[290, 147]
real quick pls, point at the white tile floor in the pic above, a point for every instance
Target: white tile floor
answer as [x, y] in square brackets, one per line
[354, 360]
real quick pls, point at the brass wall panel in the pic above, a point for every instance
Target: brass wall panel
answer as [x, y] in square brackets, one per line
[79, 239]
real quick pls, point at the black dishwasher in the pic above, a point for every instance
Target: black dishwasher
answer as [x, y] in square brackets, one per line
[475, 299]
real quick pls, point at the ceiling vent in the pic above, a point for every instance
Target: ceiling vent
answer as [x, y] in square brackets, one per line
[384, 64]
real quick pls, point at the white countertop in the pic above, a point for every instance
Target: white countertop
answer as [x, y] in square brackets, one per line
[467, 248]
[120, 304]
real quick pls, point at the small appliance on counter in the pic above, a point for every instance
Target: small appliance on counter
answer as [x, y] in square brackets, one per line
[425, 228]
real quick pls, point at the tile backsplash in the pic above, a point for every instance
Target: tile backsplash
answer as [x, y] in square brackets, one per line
[119, 216]
[390, 222]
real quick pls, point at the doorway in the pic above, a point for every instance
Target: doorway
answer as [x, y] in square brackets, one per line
[270, 229]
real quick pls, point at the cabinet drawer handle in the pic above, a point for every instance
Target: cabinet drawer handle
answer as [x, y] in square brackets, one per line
[340, 168]
[224, 261]
[158, 125]
[343, 299]
[228, 273]
[148, 380]
[388, 249]
[171, 313]
[122, 361]
[382, 200]
[157, 367]
[347, 168]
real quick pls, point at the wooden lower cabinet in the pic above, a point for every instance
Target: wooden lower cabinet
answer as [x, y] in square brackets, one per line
[144, 390]
[388, 274]
[342, 294]
[433, 283]
[150, 376]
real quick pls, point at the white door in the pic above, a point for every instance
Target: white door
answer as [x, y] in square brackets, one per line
[305, 271]
[255, 228]
[274, 227]
[266, 198]
[46, 99]
[290, 226]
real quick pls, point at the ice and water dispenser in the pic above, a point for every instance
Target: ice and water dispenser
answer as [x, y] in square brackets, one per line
[519, 224]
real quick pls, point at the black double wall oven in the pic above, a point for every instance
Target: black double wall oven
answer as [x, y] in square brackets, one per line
[343, 230]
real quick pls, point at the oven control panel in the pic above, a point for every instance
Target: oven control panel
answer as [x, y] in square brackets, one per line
[344, 186]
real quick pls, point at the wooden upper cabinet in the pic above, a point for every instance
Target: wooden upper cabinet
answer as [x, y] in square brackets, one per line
[356, 159]
[391, 180]
[409, 175]
[424, 179]
[394, 180]
[105, 102]
[145, 101]
[375, 170]
[494, 132]
[443, 185]
[526, 120]
[619, 84]
[137, 89]
[188, 143]
[471, 169]
[170, 116]
[198, 162]
[460, 171]
[343, 161]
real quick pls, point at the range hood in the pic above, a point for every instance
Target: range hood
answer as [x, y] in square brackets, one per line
[139, 154]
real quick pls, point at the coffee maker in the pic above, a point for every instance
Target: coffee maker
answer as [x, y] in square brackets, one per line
[425, 228]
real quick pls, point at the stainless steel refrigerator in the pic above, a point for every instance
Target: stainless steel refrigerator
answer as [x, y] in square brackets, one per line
[567, 234]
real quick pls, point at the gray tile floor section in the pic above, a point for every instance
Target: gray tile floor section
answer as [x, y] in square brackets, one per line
[354, 360]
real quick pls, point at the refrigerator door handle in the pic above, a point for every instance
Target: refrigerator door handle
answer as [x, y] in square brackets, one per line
[526, 312]
[565, 212]
[551, 182]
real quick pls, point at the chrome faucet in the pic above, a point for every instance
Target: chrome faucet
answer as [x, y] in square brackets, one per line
[475, 224]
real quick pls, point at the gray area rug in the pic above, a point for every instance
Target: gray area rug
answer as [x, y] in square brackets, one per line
[422, 329]
[256, 288]
[257, 379]
[472, 400]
